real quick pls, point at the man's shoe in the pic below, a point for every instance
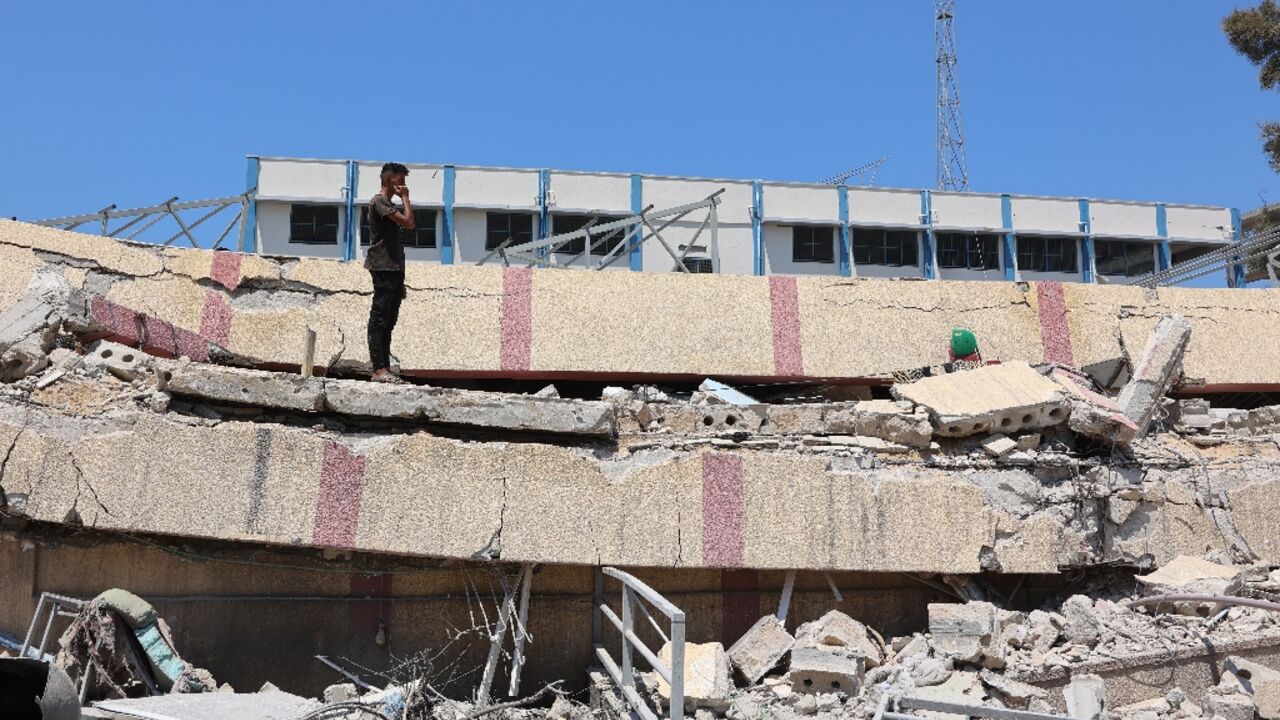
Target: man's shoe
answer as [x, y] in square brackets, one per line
[385, 376]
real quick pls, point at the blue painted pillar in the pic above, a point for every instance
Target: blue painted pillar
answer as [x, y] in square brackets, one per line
[544, 210]
[636, 254]
[250, 220]
[446, 242]
[1087, 254]
[1165, 254]
[757, 227]
[846, 261]
[929, 256]
[1010, 240]
[350, 233]
[1236, 274]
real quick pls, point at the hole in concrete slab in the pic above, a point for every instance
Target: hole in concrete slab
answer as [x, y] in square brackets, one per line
[730, 420]
[1026, 419]
[106, 353]
[127, 358]
[707, 421]
[835, 684]
[1244, 674]
[1055, 412]
[953, 429]
[1006, 422]
[808, 682]
[168, 376]
[977, 427]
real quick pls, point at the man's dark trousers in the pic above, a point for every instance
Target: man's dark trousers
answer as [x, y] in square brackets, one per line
[388, 291]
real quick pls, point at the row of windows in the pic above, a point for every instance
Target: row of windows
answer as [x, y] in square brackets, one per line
[318, 225]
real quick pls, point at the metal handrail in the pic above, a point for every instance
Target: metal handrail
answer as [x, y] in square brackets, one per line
[624, 675]
[1236, 253]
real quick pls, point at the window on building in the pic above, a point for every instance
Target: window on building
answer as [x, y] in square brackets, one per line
[698, 264]
[813, 243]
[1039, 253]
[1120, 257]
[563, 223]
[313, 224]
[878, 246]
[500, 226]
[424, 229]
[968, 251]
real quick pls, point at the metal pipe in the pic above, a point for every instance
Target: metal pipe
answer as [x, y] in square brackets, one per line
[1204, 597]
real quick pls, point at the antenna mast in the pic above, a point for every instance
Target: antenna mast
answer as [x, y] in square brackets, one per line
[953, 169]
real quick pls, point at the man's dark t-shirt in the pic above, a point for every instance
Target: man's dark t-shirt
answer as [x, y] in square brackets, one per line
[386, 250]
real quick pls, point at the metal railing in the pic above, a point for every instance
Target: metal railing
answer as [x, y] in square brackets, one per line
[628, 230]
[624, 675]
[141, 220]
[57, 606]
[1264, 245]
[894, 709]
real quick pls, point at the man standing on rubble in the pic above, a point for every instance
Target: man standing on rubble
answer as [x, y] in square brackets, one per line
[385, 262]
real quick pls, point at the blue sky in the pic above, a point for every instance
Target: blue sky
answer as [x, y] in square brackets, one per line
[132, 103]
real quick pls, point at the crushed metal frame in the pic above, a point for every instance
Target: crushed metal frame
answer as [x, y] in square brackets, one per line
[153, 214]
[624, 676]
[1265, 246]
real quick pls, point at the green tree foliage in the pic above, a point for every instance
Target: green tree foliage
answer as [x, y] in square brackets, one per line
[1255, 33]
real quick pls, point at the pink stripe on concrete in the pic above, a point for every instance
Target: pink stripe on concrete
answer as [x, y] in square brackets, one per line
[225, 269]
[119, 320]
[722, 510]
[338, 499]
[215, 319]
[517, 318]
[788, 360]
[1055, 335]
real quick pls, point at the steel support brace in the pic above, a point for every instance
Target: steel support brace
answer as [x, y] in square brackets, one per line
[544, 210]
[1010, 254]
[846, 260]
[1164, 252]
[349, 229]
[446, 241]
[1088, 262]
[1236, 273]
[249, 228]
[757, 227]
[929, 256]
[634, 249]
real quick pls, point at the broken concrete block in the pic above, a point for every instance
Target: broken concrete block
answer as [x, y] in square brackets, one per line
[1260, 682]
[885, 419]
[718, 419]
[815, 670]
[997, 398]
[719, 393]
[241, 386]
[963, 631]
[1192, 415]
[549, 391]
[999, 445]
[1155, 371]
[342, 692]
[706, 677]
[1086, 697]
[796, 419]
[1229, 706]
[1189, 574]
[1082, 625]
[835, 630]
[1030, 441]
[760, 649]
[122, 361]
[932, 671]
[1093, 414]
[1016, 694]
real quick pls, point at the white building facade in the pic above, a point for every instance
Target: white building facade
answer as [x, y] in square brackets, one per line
[316, 208]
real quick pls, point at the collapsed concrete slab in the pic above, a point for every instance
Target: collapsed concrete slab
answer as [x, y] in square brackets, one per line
[997, 398]
[706, 677]
[760, 649]
[1093, 414]
[1155, 370]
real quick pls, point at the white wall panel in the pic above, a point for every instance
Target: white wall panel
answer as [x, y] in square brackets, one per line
[882, 207]
[1122, 219]
[496, 188]
[1046, 215]
[606, 193]
[469, 232]
[964, 210]
[817, 205]
[426, 183]
[1213, 224]
[302, 179]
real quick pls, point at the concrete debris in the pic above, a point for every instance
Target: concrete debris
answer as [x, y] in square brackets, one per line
[1086, 697]
[342, 692]
[999, 445]
[997, 398]
[760, 649]
[214, 706]
[965, 631]
[28, 326]
[1157, 368]
[121, 361]
[821, 670]
[716, 392]
[707, 683]
[1029, 441]
[1222, 704]
[893, 421]
[549, 391]
[1259, 682]
[1092, 414]
[1188, 574]
[836, 631]
[1082, 626]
